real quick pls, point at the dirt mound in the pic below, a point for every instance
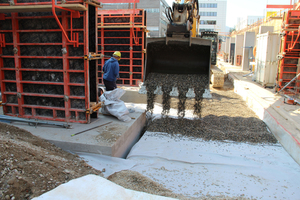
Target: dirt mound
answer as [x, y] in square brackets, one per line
[136, 181]
[31, 166]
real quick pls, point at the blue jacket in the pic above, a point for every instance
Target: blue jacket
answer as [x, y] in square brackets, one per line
[111, 69]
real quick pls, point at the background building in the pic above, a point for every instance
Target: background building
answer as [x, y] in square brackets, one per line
[244, 22]
[213, 15]
[156, 18]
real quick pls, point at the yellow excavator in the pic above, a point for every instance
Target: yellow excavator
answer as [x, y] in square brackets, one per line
[182, 51]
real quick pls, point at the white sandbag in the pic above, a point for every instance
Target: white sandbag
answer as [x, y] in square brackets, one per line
[113, 105]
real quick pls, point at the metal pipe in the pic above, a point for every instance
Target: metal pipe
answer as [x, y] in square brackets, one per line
[33, 122]
[288, 83]
[90, 129]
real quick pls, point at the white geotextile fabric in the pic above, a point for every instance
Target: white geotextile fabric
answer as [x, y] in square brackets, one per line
[196, 168]
[113, 105]
[110, 164]
[97, 188]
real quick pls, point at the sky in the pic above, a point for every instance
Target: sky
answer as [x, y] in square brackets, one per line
[243, 8]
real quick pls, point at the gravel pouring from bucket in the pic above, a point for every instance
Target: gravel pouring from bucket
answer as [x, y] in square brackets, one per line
[177, 67]
[171, 58]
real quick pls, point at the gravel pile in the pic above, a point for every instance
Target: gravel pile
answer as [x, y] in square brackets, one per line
[224, 117]
[236, 129]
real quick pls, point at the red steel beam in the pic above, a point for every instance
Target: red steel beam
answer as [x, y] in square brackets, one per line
[86, 65]
[280, 6]
[65, 25]
[16, 39]
[119, 1]
[120, 11]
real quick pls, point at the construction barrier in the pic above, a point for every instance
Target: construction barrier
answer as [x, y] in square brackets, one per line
[124, 31]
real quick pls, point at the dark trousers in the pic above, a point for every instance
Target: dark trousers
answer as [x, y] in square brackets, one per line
[109, 85]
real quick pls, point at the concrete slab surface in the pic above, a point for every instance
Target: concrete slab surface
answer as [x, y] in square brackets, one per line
[108, 136]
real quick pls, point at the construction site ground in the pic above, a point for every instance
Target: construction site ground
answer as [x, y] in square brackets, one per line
[174, 165]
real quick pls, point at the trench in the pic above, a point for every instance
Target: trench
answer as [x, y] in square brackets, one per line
[226, 142]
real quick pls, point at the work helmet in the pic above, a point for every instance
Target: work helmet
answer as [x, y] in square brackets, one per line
[117, 54]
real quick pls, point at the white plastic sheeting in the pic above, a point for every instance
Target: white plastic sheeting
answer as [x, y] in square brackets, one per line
[195, 168]
[95, 187]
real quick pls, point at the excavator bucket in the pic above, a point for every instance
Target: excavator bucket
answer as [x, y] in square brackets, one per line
[185, 57]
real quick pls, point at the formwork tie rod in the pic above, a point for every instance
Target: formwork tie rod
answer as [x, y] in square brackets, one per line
[31, 122]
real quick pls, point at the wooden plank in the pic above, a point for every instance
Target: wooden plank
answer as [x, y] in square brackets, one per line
[40, 8]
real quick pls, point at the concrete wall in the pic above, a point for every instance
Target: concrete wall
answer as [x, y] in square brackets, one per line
[226, 49]
[264, 29]
[227, 45]
[239, 42]
[249, 41]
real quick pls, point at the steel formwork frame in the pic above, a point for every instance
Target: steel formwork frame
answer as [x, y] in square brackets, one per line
[132, 24]
[68, 112]
[289, 63]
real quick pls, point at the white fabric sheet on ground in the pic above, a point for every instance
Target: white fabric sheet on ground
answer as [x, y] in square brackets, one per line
[158, 110]
[195, 168]
[95, 187]
[110, 164]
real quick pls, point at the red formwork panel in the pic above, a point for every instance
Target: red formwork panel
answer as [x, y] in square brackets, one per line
[124, 31]
[42, 74]
[289, 65]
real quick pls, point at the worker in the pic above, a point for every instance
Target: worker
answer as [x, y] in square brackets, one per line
[111, 71]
